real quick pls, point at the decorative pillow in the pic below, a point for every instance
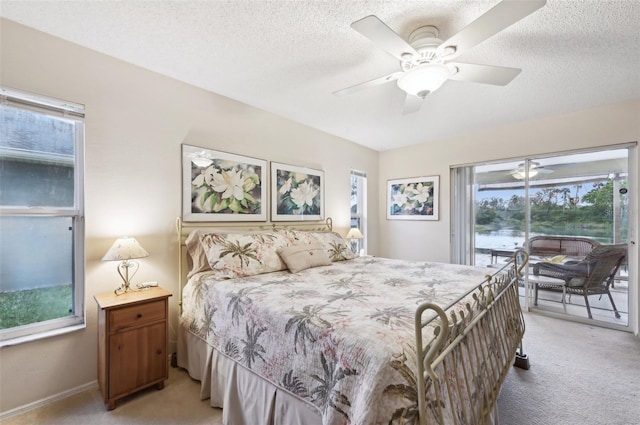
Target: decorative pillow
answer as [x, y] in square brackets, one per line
[334, 244]
[298, 237]
[301, 257]
[557, 259]
[196, 258]
[240, 255]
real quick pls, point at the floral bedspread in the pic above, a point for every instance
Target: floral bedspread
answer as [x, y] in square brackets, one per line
[335, 336]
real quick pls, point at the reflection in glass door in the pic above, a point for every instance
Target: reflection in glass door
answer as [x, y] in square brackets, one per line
[572, 213]
[579, 231]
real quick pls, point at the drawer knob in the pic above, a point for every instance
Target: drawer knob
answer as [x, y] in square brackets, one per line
[139, 316]
[159, 351]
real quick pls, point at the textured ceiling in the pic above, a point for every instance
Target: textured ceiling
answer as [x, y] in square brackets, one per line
[287, 57]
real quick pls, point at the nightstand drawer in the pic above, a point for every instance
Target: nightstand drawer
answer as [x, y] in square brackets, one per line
[137, 315]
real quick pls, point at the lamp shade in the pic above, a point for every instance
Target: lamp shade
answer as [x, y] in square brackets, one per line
[125, 249]
[354, 233]
[424, 79]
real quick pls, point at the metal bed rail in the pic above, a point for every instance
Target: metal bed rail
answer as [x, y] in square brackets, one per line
[461, 370]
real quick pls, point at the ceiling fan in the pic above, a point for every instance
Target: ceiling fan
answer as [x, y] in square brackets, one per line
[425, 60]
[534, 169]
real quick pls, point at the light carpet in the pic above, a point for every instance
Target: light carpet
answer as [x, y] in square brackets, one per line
[580, 375]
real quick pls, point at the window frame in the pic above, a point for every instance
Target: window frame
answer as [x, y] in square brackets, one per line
[72, 112]
[361, 214]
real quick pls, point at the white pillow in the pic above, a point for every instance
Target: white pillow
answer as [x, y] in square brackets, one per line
[302, 257]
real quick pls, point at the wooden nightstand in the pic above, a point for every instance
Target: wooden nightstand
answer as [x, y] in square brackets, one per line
[132, 342]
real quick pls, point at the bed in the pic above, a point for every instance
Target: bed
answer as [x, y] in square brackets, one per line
[342, 339]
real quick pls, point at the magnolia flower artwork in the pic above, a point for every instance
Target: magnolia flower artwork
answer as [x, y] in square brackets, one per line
[220, 186]
[296, 192]
[413, 199]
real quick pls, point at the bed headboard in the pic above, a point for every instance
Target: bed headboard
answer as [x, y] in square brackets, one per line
[183, 230]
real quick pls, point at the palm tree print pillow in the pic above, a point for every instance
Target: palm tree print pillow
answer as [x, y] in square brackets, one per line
[241, 255]
[336, 247]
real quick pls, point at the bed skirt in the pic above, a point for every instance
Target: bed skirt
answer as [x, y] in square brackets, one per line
[246, 398]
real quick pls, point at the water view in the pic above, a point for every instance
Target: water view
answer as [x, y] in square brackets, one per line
[513, 239]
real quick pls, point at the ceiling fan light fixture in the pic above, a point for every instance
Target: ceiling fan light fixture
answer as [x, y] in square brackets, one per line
[424, 79]
[520, 172]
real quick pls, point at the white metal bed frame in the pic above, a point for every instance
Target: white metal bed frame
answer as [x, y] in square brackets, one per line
[457, 336]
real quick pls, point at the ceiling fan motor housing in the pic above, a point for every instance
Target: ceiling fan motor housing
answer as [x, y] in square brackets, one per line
[425, 41]
[425, 72]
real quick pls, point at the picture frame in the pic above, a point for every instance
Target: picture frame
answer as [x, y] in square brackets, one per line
[222, 186]
[413, 198]
[297, 193]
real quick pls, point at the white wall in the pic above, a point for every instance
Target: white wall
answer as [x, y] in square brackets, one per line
[135, 123]
[430, 240]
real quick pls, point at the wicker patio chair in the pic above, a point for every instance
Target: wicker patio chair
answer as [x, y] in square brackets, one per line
[571, 246]
[591, 276]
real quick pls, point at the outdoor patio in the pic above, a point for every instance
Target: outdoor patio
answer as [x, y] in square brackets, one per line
[552, 301]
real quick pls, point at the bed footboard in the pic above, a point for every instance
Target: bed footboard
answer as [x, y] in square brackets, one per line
[461, 370]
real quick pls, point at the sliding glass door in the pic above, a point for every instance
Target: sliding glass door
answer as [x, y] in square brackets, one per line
[560, 208]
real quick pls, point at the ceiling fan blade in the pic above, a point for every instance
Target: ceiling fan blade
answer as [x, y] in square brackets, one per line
[367, 84]
[501, 16]
[411, 104]
[383, 36]
[486, 74]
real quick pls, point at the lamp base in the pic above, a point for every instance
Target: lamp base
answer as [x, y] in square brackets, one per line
[126, 279]
[123, 289]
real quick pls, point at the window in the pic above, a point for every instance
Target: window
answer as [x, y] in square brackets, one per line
[359, 206]
[41, 216]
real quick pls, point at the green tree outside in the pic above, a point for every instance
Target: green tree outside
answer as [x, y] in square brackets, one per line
[556, 210]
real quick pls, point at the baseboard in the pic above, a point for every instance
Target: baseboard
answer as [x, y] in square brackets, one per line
[48, 400]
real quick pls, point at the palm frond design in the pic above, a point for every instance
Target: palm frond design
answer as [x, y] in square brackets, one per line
[238, 301]
[408, 414]
[282, 281]
[302, 322]
[349, 295]
[199, 289]
[342, 283]
[397, 282]
[295, 385]
[252, 348]
[195, 327]
[245, 253]
[423, 295]
[209, 311]
[393, 316]
[304, 293]
[231, 350]
[265, 237]
[329, 272]
[325, 393]
[337, 251]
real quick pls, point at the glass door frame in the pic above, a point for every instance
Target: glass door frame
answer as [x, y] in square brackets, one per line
[463, 226]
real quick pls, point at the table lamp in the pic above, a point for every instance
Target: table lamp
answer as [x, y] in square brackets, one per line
[354, 235]
[125, 249]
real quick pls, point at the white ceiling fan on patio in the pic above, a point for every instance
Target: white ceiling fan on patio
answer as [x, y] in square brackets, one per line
[426, 61]
[535, 168]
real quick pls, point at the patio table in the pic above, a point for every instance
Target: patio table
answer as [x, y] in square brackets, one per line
[547, 282]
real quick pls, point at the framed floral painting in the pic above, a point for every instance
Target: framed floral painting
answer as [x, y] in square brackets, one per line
[297, 193]
[413, 199]
[221, 186]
